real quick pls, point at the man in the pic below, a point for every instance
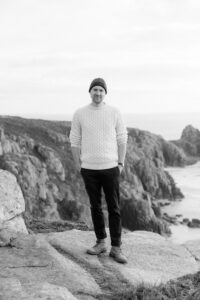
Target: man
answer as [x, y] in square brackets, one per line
[98, 140]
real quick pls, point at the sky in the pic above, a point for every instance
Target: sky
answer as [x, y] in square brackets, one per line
[147, 51]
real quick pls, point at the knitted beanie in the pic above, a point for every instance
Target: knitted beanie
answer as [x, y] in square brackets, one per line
[98, 81]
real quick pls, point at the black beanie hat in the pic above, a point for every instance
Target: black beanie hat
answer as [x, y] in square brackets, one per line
[98, 81]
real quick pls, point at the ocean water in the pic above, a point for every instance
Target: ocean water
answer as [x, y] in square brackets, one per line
[169, 126]
[188, 180]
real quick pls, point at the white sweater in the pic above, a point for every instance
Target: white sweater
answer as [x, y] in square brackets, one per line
[98, 131]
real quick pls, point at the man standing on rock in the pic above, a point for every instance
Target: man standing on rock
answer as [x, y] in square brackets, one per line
[98, 140]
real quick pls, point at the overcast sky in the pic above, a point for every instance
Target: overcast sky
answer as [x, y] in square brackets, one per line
[147, 51]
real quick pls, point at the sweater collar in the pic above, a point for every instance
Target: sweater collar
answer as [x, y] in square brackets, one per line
[97, 107]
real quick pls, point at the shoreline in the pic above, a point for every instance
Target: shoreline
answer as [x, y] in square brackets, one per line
[189, 207]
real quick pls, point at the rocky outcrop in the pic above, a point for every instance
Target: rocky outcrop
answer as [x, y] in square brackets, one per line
[147, 156]
[38, 153]
[140, 248]
[194, 223]
[56, 266]
[139, 214]
[148, 145]
[12, 206]
[190, 142]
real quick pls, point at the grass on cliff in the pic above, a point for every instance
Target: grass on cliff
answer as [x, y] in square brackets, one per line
[184, 288]
[37, 225]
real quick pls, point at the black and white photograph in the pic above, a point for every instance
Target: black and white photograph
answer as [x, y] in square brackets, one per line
[99, 150]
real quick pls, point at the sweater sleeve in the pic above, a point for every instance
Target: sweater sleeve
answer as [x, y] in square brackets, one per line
[75, 132]
[121, 130]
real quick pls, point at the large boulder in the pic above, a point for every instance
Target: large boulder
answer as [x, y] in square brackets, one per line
[12, 205]
[152, 259]
[11, 198]
[56, 265]
[33, 269]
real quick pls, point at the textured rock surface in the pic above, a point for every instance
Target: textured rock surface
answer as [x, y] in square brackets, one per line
[151, 258]
[194, 248]
[190, 141]
[55, 266]
[11, 198]
[35, 270]
[12, 205]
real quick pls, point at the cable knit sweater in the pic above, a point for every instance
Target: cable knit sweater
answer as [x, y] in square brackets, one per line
[98, 131]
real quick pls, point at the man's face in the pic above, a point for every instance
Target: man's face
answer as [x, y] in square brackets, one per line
[97, 94]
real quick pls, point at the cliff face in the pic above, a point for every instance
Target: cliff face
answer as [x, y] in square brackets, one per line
[147, 156]
[38, 153]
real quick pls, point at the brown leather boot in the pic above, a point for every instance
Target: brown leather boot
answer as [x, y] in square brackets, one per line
[98, 248]
[117, 255]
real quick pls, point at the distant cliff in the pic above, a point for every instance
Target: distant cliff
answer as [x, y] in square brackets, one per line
[190, 142]
[38, 153]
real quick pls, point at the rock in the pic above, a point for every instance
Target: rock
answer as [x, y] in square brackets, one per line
[173, 155]
[179, 215]
[79, 280]
[163, 202]
[57, 137]
[10, 229]
[53, 162]
[149, 154]
[170, 219]
[190, 143]
[24, 241]
[194, 248]
[55, 292]
[185, 220]
[147, 256]
[138, 214]
[33, 269]
[11, 207]
[40, 194]
[195, 223]
[190, 134]
[11, 288]
[51, 292]
[195, 295]
[11, 198]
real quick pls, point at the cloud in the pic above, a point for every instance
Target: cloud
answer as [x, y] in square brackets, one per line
[52, 49]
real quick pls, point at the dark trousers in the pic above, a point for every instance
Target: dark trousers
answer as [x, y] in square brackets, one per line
[108, 180]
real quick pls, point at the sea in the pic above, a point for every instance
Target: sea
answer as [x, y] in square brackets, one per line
[170, 127]
[188, 180]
